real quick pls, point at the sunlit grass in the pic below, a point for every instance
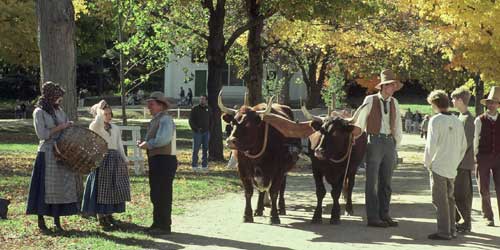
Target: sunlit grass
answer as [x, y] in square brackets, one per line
[18, 146]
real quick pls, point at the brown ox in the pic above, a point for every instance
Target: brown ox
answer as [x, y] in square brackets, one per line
[335, 155]
[260, 136]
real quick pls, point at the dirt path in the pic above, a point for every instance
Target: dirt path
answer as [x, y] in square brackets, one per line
[217, 224]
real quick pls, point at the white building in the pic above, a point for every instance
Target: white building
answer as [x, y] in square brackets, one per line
[184, 72]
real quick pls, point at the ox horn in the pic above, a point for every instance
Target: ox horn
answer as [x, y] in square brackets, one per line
[306, 113]
[223, 108]
[354, 118]
[268, 109]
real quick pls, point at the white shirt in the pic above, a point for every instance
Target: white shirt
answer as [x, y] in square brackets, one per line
[477, 130]
[386, 121]
[446, 145]
[114, 138]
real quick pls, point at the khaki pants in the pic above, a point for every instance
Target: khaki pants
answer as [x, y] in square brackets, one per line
[444, 201]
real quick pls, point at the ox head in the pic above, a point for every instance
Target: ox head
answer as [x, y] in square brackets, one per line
[249, 134]
[247, 125]
[334, 134]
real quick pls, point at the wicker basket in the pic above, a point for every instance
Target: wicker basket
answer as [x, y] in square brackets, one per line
[80, 149]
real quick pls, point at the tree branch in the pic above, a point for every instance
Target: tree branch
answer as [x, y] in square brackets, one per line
[208, 4]
[137, 81]
[185, 26]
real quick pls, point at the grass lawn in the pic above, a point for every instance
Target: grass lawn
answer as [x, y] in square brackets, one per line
[17, 153]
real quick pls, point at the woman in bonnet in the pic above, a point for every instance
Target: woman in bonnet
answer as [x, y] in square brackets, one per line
[108, 187]
[54, 189]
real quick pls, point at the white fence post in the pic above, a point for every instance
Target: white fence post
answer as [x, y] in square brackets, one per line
[137, 158]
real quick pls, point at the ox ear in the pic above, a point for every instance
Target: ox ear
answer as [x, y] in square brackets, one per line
[227, 118]
[316, 124]
[288, 128]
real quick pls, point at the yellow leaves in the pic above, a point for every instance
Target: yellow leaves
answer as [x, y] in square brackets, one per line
[301, 33]
[80, 7]
[469, 28]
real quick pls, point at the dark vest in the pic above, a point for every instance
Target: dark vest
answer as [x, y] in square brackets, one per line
[489, 141]
[152, 129]
[374, 120]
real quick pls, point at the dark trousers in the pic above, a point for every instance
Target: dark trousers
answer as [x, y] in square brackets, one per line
[162, 170]
[380, 161]
[488, 164]
[463, 195]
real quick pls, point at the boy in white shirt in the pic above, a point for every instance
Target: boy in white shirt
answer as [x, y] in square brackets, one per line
[444, 150]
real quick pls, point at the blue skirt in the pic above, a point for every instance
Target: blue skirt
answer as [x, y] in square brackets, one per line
[90, 205]
[36, 196]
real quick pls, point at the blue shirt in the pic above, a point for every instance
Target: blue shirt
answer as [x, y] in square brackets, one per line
[163, 134]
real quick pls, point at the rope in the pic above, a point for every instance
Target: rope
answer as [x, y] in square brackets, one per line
[348, 160]
[348, 153]
[266, 131]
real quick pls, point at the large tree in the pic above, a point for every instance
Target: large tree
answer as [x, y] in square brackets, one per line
[209, 25]
[469, 31]
[56, 41]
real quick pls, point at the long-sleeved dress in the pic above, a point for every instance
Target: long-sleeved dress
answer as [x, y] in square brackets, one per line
[108, 187]
[54, 190]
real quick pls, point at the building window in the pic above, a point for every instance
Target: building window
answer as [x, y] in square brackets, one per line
[230, 76]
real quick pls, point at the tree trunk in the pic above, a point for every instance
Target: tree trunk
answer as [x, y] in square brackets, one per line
[479, 94]
[215, 56]
[56, 41]
[100, 85]
[313, 86]
[255, 61]
[121, 72]
[285, 89]
[314, 98]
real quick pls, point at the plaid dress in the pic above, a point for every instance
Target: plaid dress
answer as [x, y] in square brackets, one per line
[54, 189]
[108, 187]
[113, 185]
[62, 185]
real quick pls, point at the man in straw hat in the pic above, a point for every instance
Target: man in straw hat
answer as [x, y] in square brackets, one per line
[380, 118]
[487, 152]
[162, 160]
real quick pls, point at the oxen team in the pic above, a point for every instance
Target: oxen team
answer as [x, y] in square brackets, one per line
[266, 140]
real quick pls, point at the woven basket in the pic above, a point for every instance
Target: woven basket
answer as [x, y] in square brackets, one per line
[80, 149]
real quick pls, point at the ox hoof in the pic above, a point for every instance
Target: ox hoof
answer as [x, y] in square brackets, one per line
[317, 221]
[247, 219]
[275, 220]
[282, 212]
[258, 213]
[335, 221]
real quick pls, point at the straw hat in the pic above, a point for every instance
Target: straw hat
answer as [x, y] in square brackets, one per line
[493, 96]
[388, 77]
[159, 97]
